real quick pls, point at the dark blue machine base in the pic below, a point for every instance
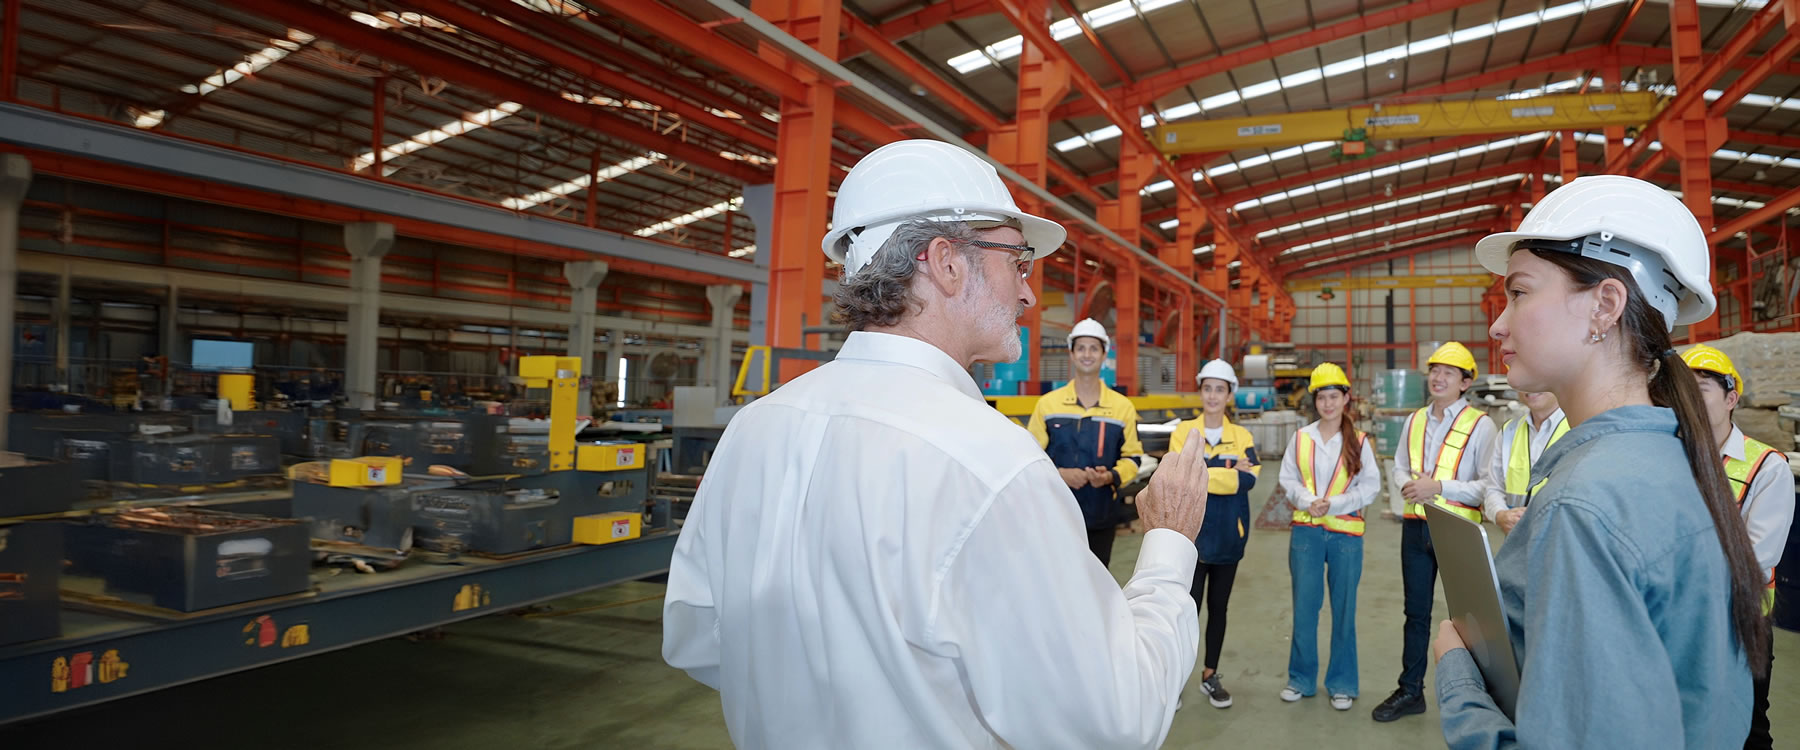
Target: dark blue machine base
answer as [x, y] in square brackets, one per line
[103, 657]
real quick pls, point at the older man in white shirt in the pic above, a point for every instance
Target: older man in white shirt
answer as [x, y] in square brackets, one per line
[876, 558]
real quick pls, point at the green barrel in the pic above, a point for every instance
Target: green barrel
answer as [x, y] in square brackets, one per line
[1399, 389]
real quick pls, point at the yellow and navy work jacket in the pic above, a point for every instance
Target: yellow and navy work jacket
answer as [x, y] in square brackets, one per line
[1449, 457]
[1349, 523]
[1741, 474]
[1232, 469]
[1103, 436]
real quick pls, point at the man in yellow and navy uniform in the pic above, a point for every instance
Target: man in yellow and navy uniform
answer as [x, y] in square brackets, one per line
[1763, 484]
[1507, 482]
[1443, 448]
[1090, 432]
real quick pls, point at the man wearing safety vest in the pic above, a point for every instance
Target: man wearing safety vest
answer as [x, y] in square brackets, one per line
[1442, 451]
[1763, 484]
[1507, 482]
[1090, 433]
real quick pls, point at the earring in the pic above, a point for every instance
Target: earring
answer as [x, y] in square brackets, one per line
[1595, 338]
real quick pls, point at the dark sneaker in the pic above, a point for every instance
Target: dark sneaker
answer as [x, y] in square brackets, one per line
[1401, 703]
[1215, 693]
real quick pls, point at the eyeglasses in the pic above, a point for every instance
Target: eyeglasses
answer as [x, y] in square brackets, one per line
[1023, 260]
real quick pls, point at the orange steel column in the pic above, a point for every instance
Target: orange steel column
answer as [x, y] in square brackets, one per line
[1570, 160]
[1124, 215]
[802, 177]
[1691, 137]
[1180, 254]
[1024, 145]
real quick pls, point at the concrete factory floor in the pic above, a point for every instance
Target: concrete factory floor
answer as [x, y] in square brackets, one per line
[591, 675]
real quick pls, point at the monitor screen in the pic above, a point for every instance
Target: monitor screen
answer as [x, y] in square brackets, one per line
[216, 354]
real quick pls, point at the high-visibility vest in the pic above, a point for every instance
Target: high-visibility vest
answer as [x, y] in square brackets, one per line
[1518, 463]
[1741, 473]
[1449, 457]
[1349, 523]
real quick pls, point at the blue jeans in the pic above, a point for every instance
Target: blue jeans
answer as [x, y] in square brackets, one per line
[1317, 557]
[1418, 575]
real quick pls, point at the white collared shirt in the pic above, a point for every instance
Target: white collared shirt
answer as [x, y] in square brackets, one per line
[1768, 508]
[1493, 481]
[877, 558]
[1467, 487]
[1326, 451]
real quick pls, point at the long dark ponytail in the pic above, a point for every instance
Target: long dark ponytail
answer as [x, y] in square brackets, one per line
[1673, 385]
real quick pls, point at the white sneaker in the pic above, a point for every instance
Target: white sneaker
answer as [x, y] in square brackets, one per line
[1290, 695]
[1340, 702]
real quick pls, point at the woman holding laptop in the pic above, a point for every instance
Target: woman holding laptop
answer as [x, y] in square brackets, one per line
[1631, 590]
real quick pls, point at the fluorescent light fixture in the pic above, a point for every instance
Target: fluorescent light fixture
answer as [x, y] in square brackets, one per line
[469, 123]
[581, 183]
[1329, 241]
[249, 66]
[1098, 18]
[1203, 249]
[1367, 210]
[1390, 170]
[689, 218]
[743, 251]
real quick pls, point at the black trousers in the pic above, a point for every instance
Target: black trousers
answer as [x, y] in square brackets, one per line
[1418, 577]
[1759, 715]
[1100, 542]
[1217, 601]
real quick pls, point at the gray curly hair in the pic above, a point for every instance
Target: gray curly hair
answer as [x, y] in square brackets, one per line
[880, 293]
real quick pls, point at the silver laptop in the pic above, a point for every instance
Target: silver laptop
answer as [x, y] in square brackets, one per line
[1472, 592]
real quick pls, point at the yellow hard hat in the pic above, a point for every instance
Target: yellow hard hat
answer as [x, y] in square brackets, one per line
[1455, 355]
[1328, 375]
[1708, 359]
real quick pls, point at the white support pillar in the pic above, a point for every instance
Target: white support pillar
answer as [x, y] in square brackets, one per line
[15, 177]
[171, 335]
[584, 286]
[63, 315]
[367, 242]
[759, 205]
[615, 351]
[724, 299]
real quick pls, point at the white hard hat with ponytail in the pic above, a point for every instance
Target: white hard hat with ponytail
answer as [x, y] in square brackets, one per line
[1629, 223]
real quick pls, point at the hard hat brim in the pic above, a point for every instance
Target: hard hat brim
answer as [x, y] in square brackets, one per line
[1044, 236]
[1494, 250]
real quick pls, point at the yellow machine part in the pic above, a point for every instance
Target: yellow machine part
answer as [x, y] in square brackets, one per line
[609, 457]
[1411, 120]
[562, 375]
[606, 528]
[368, 471]
[239, 389]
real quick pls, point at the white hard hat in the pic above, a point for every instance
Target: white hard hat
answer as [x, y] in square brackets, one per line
[1218, 369]
[923, 179]
[1092, 329]
[1627, 222]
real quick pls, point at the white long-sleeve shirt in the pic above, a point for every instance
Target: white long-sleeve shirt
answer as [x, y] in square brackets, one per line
[1363, 487]
[1768, 507]
[1467, 487]
[1493, 479]
[877, 558]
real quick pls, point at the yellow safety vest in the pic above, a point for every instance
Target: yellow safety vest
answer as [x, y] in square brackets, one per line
[1449, 457]
[1518, 463]
[1350, 523]
[1741, 473]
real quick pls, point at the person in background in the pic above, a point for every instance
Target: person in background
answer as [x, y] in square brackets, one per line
[1516, 448]
[1631, 592]
[1762, 483]
[1090, 433]
[1441, 457]
[1232, 469]
[878, 558]
[1329, 474]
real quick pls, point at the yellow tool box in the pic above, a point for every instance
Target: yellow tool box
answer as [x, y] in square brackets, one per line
[606, 528]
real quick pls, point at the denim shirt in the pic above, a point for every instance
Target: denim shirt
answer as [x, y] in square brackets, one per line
[1618, 603]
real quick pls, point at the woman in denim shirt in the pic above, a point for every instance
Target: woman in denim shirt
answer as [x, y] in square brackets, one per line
[1630, 586]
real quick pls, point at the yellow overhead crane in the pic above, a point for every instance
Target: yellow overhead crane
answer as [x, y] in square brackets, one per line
[1411, 120]
[1464, 281]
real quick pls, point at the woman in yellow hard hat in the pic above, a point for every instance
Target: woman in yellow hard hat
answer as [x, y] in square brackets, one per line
[1761, 483]
[1329, 474]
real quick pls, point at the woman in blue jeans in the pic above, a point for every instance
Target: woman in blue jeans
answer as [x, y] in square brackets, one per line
[1329, 475]
[1631, 591]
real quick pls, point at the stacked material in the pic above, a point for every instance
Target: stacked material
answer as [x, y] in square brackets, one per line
[1768, 363]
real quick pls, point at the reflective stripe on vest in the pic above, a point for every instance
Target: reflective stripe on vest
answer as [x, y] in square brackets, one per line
[1350, 523]
[1741, 474]
[1518, 463]
[1449, 458]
